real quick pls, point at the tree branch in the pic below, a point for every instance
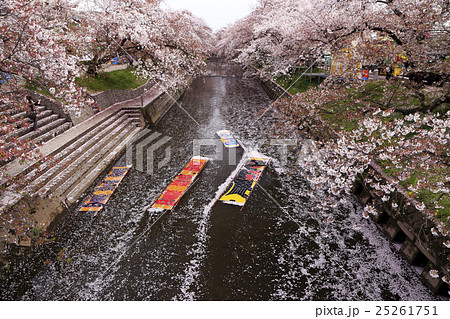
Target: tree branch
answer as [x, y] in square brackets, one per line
[390, 33]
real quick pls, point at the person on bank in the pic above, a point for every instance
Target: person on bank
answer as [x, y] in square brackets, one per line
[32, 112]
[388, 73]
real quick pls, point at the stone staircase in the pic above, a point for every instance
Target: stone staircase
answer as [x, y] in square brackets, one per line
[80, 155]
[49, 126]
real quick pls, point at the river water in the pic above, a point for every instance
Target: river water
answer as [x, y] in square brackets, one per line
[273, 249]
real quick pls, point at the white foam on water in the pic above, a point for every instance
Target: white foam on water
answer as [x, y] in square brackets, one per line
[106, 261]
[199, 250]
[200, 158]
[155, 210]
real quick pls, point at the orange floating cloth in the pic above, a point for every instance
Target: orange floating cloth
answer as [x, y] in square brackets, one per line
[103, 192]
[178, 187]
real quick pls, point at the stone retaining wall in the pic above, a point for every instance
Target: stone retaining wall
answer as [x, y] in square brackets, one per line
[110, 97]
[405, 225]
[273, 89]
[56, 107]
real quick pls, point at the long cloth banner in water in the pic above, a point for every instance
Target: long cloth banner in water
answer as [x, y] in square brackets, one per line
[103, 192]
[239, 190]
[178, 187]
[227, 139]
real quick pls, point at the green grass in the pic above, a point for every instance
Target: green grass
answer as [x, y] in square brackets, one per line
[443, 199]
[424, 195]
[118, 80]
[296, 83]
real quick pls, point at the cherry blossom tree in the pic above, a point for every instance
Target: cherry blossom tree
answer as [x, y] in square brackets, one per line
[268, 38]
[409, 140]
[376, 31]
[34, 55]
[164, 44]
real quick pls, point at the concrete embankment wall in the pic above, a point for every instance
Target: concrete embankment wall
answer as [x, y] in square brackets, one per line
[155, 109]
[110, 97]
[273, 89]
[107, 98]
[52, 105]
[404, 226]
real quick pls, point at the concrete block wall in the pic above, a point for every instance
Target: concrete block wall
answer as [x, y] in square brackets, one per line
[155, 110]
[407, 226]
[273, 89]
[110, 97]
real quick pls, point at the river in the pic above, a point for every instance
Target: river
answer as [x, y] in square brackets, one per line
[274, 249]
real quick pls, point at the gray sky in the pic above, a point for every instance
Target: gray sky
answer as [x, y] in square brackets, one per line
[216, 13]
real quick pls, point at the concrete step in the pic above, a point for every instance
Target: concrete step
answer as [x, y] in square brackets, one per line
[41, 123]
[36, 178]
[3, 117]
[70, 153]
[16, 113]
[84, 184]
[136, 109]
[53, 133]
[43, 114]
[23, 113]
[51, 126]
[95, 146]
[135, 118]
[43, 129]
[23, 124]
[82, 129]
[11, 111]
[46, 118]
[134, 113]
[55, 146]
[96, 158]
